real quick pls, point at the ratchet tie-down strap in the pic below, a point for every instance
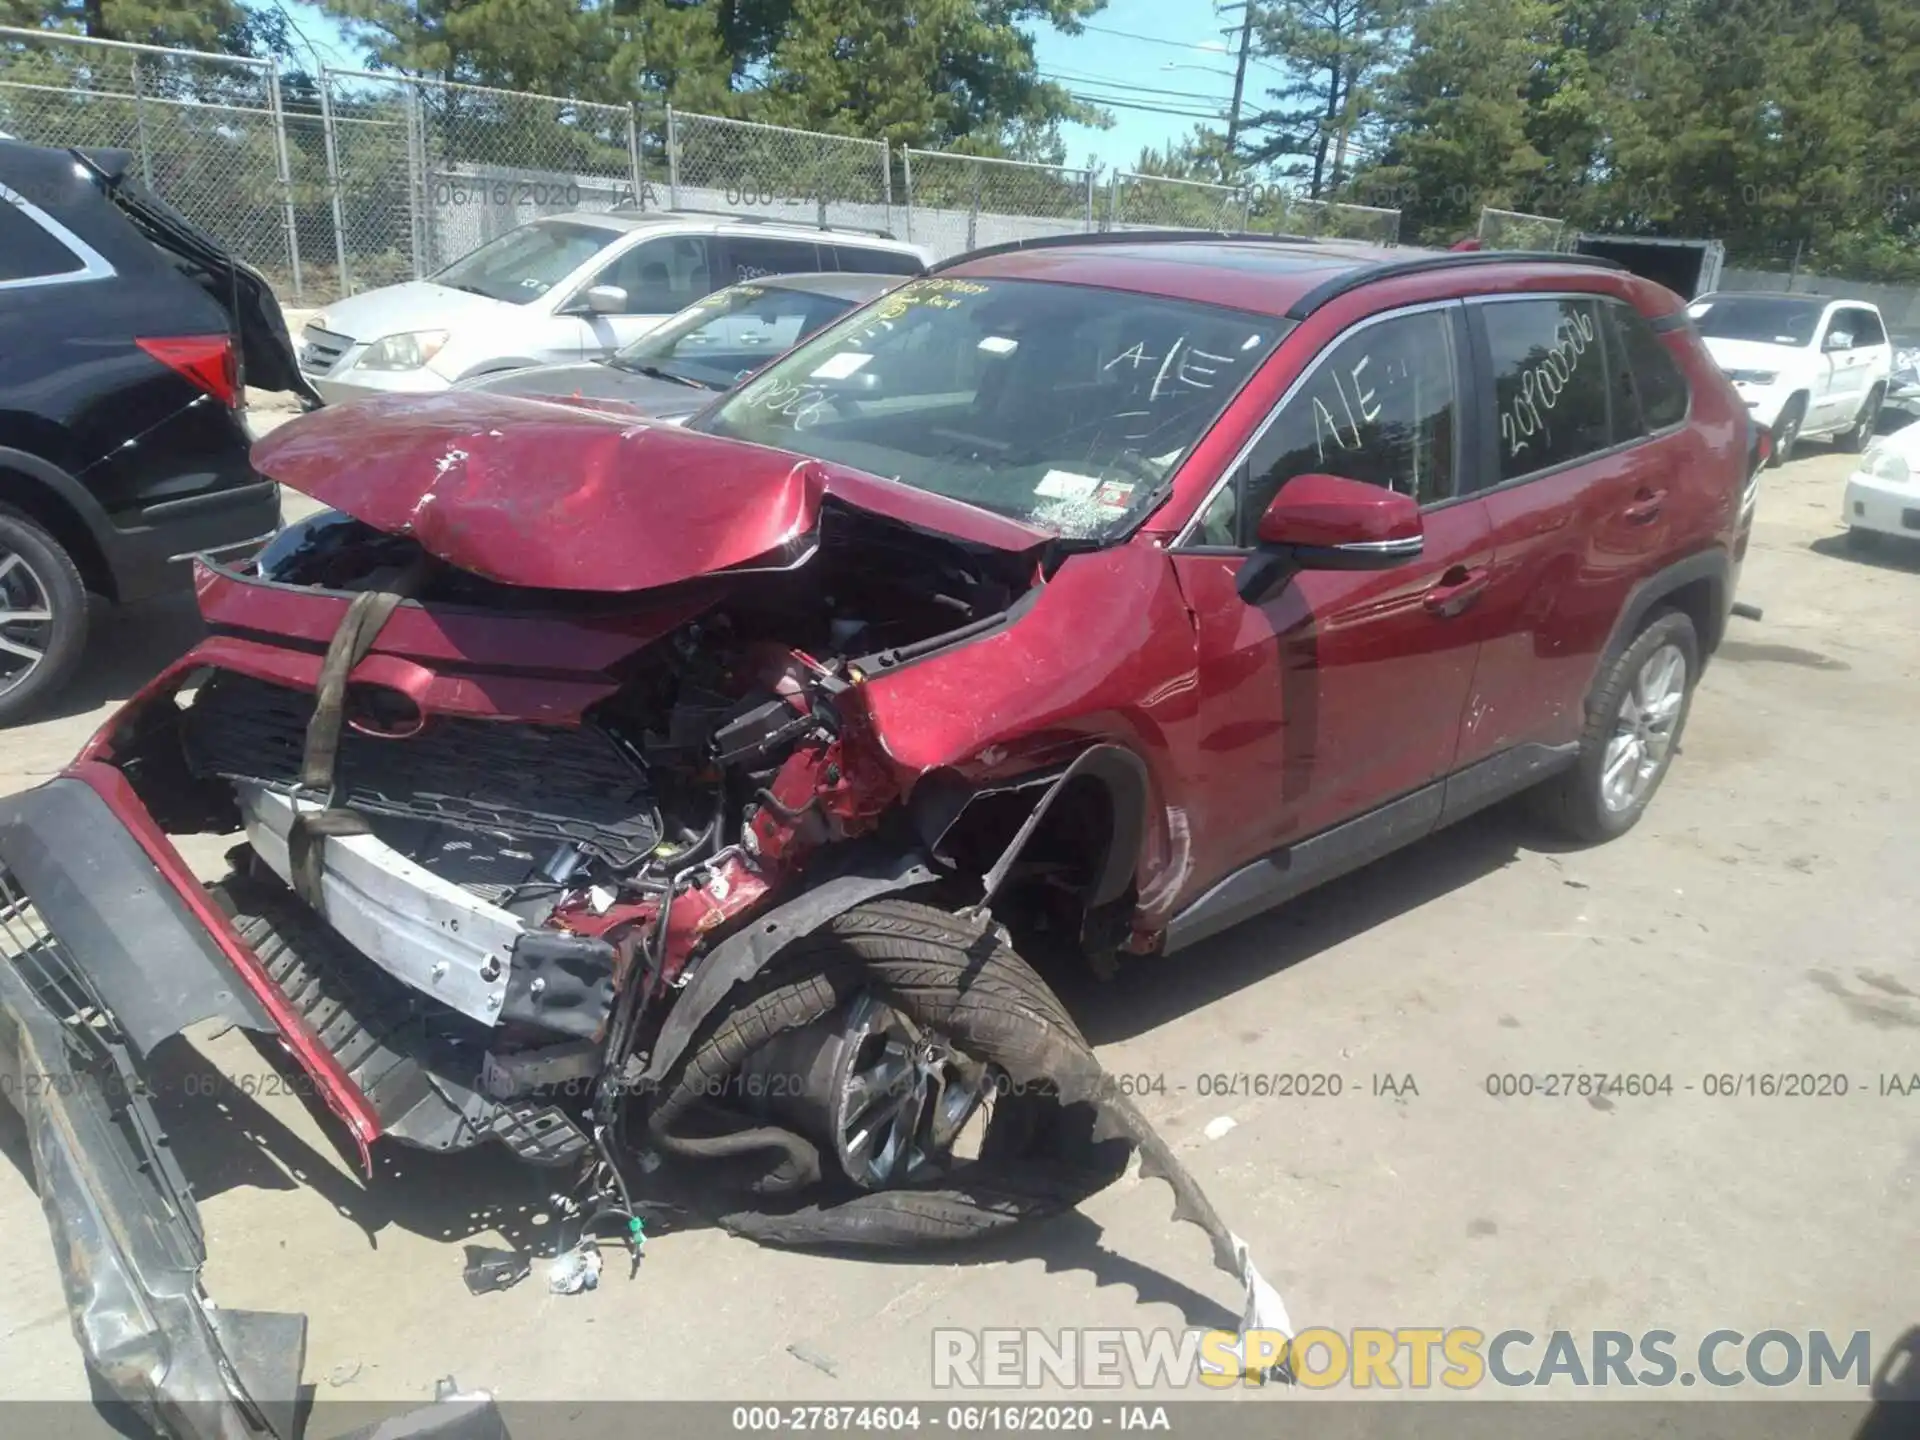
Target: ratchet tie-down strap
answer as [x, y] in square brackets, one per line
[359, 628]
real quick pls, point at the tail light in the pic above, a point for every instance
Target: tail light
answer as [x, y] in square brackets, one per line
[1759, 448]
[210, 362]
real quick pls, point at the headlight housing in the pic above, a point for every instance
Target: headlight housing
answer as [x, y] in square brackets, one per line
[403, 352]
[1885, 465]
[1754, 377]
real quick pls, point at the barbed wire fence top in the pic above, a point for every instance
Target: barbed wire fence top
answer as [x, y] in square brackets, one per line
[203, 130]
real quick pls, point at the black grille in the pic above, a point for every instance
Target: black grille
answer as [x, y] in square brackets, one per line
[322, 350]
[538, 782]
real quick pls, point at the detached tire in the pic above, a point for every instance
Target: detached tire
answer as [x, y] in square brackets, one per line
[1634, 722]
[1038, 1155]
[37, 579]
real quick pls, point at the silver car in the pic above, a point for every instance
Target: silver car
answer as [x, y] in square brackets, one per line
[709, 347]
[564, 289]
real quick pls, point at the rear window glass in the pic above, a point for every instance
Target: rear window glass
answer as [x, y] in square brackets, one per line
[1549, 382]
[1657, 380]
[28, 252]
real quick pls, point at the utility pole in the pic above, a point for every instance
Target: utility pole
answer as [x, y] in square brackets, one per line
[1239, 71]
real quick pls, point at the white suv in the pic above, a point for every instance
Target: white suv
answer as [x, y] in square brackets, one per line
[564, 289]
[1805, 364]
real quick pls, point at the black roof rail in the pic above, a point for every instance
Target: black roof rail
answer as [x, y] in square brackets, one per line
[1346, 280]
[1120, 237]
[762, 220]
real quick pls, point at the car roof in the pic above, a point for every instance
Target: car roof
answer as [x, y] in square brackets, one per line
[1278, 275]
[1806, 295]
[841, 285]
[630, 220]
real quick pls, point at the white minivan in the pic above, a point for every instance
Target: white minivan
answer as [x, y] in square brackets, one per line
[564, 288]
[1806, 365]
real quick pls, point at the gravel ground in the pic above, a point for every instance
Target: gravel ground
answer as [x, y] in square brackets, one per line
[1762, 919]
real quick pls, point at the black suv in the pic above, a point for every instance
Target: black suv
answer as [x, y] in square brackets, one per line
[127, 339]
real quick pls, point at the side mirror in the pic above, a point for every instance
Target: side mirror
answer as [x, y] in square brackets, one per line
[1839, 340]
[603, 300]
[1324, 522]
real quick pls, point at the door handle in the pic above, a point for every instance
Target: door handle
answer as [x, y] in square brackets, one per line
[1645, 508]
[1456, 590]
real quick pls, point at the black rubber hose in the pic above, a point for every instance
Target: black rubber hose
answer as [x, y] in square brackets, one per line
[705, 843]
[999, 1011]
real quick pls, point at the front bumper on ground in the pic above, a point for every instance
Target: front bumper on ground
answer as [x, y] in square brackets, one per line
[102, 960]
[99, 964]
[1881, 505]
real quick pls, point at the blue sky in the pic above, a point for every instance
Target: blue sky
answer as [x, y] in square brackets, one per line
[1155, 56]
[1166, 55]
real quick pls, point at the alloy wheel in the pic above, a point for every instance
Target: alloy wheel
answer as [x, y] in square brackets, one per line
[901, 1097]
[1644, 729]
[26, 620]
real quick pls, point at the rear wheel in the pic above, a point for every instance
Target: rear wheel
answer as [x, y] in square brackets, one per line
[1786, 431]
[1861, 435]
[43, 616]
[1633, 728]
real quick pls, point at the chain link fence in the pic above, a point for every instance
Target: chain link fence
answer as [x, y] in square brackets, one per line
[744, 168]
[348, 180]
[960, 202]
[203, 130]
[1154, 202]
[490, 160]
[1340, 220]
[1517, 230]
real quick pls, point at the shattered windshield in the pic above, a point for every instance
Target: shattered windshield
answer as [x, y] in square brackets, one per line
[1063, 406]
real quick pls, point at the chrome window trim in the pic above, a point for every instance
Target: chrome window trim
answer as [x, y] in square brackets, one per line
[1185, 538]
[93, 265]
[1407, 545]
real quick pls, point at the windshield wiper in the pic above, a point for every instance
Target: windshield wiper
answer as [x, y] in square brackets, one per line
[655, 372]
[470, 289]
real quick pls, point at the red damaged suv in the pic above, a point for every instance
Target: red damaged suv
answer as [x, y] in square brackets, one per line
[602, 786]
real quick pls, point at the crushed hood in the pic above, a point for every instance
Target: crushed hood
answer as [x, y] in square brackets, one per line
[565, 498]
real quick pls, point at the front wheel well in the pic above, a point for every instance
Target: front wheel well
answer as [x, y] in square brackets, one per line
[1063, 848]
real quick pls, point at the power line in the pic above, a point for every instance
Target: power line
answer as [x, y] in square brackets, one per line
[1108, 102]
[1187, 45]
[1151, 39]
[1084, 78]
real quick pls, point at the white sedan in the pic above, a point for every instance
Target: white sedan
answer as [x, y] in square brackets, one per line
[1883, 493]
